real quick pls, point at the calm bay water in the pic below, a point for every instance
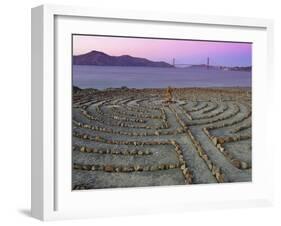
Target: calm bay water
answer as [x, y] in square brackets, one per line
[101, 77]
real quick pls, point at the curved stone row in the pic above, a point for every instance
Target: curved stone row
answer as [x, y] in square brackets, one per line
[141, 134]
[216, 171]
[227, 139]
[219, 143]
[128, 100]
[141, 100]
[162, 117]
[232, 114]
[116, 117]
[185, 113]
[84, 102]
[87, 103]
[136, 115]
[196, 103]
[137, 108]
[86, 149]
[100, 139]
[124, 169]
[121, 124]
[211, 105]
[241, 128]
[211, 108]
[214, 114]
[246, 116]
[165, 124]
[199, 108]
[183, 165]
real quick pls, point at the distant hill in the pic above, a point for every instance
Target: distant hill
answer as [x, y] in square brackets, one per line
[76, 89]
[103, 59]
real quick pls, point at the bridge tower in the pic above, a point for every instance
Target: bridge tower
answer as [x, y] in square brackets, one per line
[208, 63]
[174, 62]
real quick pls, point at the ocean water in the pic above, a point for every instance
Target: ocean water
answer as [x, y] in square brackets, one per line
[101, 77]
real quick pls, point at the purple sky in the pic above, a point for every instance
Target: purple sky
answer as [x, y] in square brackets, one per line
[184, 52]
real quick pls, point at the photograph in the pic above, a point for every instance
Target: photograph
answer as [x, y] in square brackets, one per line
[158, 111]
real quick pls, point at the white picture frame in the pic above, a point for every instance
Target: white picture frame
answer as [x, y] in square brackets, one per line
[52, 199]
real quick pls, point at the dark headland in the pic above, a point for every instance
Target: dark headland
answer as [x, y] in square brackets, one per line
[102, 59]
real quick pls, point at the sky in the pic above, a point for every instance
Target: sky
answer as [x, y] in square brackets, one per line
[184, 51]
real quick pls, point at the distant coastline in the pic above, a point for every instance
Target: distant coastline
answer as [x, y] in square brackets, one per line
[97, 58]
[77, 89]
[224, 68]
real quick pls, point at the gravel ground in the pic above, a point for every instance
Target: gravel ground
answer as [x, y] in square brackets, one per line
[135, 139]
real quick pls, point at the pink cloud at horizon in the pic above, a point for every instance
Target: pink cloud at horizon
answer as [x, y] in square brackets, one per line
[184, 51]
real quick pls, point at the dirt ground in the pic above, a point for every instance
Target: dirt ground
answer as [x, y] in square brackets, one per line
[149, 137]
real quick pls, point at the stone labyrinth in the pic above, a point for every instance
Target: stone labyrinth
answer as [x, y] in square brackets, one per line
[130, 138]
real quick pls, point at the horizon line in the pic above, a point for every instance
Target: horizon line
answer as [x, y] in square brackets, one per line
[190, 64]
